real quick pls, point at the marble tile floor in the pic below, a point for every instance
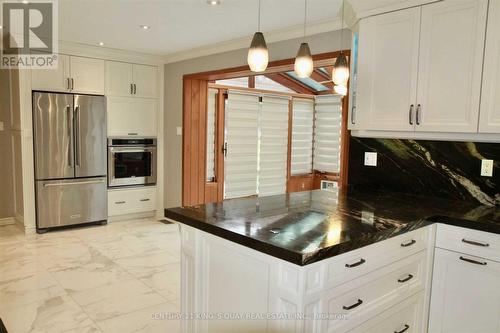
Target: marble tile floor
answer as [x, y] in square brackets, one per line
[113, 278]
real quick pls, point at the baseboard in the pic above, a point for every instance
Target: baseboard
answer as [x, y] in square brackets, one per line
[7, 221]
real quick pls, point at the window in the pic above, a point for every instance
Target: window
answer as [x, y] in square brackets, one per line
[302, 136]
[211, 130]
[327, 131]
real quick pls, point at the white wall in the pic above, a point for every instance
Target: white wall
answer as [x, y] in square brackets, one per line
[320, 43]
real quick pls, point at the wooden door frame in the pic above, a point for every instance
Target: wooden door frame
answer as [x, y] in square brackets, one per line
[194, 126]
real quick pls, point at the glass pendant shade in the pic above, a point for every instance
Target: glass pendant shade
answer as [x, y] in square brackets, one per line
[258, 56]
[303, 61]
[340, 73]
[340, 89]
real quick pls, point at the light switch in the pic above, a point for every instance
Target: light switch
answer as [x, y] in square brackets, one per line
[1, 126]
[179, 130]
[487, 168]
[370, 159]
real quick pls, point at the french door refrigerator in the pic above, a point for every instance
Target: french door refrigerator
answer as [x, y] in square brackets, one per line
[70, 159]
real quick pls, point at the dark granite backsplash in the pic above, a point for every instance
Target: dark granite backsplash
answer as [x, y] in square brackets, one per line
[449, 170]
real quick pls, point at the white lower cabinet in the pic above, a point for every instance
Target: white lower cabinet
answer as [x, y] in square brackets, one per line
[133, 200]
[405, 317]
[465, 294]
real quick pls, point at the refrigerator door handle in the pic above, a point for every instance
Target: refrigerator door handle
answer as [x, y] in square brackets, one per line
[70, 130]
[75, 183]
[77, 136]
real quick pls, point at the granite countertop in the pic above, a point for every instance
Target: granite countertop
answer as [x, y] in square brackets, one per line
[306, 227]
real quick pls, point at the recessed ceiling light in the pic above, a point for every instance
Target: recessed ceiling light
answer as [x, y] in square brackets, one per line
[145, 27]
[25, 2]
[1, 27]
[213, 2]
[101, 43]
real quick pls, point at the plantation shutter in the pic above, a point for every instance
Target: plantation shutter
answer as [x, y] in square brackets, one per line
[327, 127]
[212, 106]
[273, 145]
[240, 167]
[302, 136]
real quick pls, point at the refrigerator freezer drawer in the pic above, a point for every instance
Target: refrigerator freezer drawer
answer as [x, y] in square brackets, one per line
[71, 201]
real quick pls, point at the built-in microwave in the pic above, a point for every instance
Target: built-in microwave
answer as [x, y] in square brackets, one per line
[131, 161]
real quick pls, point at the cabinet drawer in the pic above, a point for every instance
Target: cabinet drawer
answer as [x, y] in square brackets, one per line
[375, 292]
[129, 201]
[473, 242]
[404, 317]
[364, 260]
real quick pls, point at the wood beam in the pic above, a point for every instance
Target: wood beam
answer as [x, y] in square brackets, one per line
[290, 83]
[322, 78]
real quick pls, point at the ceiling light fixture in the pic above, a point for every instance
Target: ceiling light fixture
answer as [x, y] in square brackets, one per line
[101, 43]
[339, 89]
[213, 2]
[304, 65]
[340, 72]
[258, 55]
[25, 2]
[145, 27]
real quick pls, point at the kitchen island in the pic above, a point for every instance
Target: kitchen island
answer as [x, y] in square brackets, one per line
[314, 261]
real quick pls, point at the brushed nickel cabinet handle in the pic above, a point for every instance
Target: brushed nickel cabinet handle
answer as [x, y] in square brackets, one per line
[135, 89]
[360, 262]
[472, 261]
[410, 243]
[144, 200]
[471, 242]
[355, 305]
[417, 116]
[411, 114]
[353, 117]
[72, 84]
[404, 329]
[119, 202]
[131, 89]
[406, 279]
[132, 133]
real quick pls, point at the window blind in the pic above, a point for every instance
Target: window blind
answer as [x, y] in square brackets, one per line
[211, 111]
[241, 133]
[273, 144]
[327, 127]
[302, 136]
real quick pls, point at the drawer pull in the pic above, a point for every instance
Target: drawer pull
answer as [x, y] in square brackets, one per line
[408, 278]
[404, 329]
[355, 305]
[410, 243]
[119, 202]
[360, 262]
[472, 261]
[144, 199]
[475, 243]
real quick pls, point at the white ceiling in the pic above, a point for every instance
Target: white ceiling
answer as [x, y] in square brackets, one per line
[179, 25]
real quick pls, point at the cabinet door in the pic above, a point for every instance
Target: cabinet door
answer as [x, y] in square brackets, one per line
[118, 79]
[145, 80]
[129, 116]
[450, 65]
[52, 79]
[87, 75]
[465, 295]
[387, 70]
[490, 99]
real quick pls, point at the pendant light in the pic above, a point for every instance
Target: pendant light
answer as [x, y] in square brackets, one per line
[258, 56]
[339, 89]
[340, 73]
[304, 65]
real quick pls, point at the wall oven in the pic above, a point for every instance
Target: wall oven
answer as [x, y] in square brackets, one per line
[131, 161]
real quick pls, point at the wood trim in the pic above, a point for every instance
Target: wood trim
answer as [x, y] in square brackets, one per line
[221, 116]
[345, 140]
[322, 78]
[289, 146]
[251, 82]
[320, 60]
[290, 83]
[262, 91]
[300, 183]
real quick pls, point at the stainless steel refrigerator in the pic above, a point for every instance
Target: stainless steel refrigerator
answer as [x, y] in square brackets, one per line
[70, 159]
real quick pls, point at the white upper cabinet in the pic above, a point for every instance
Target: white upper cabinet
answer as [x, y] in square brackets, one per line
[490, 99]
[73, 74]
[129, 116]
[87, 75]
[124, 79]
[145, 81]
[450, 65]
[387, 71]
[119, 79]
[420, 69]
[52, 79]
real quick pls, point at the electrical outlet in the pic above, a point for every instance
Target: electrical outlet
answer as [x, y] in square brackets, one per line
[179, 130]
[328, 185]
[487, 168]
[370, 159]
